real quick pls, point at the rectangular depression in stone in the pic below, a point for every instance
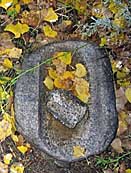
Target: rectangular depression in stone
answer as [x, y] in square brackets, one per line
[92, 126]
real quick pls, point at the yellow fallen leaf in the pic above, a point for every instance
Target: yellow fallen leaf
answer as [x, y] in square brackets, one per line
[124, 82]
[51, 16]
[17, 29]
[4, 80]
[7, 63]
[3, 168]
[58, 83]
[67, 22]
[17, 168]
[3, 95]
[52, 73]
[123, 127]
[80, 70]
[103, 41]
[120, 21]
[122, 74]
[14, 138]
[7, 158]
[68, 75]
[5, 52]
[128, 171]
[65, 57]
[62, 83]
[49, 32]
[11, 120]
[78, 151]
[26, 1]
[83, 97]
[15, 53]
[17, 8]
[113, 7]
[23, 149]
[5, 129]
[28, 145]
[128, 94]
[122, 77]
[123, 115]
[49, 83]
[82, 89]
[6, 3]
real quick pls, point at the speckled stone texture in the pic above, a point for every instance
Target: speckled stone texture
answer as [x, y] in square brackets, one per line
[65, 107]
[96, 129]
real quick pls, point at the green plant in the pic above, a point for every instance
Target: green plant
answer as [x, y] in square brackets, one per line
[12, 13]
[90, 29]
[121, 18]
[111, 162]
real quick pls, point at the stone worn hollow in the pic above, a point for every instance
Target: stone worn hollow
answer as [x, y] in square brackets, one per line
[96, 126]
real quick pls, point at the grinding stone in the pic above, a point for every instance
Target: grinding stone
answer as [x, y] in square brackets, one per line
[34, 121]
[66, 107]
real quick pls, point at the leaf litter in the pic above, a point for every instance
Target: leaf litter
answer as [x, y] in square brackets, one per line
[73, 80]
[104, 22]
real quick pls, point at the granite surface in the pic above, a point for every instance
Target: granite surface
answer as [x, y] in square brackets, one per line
[96, 129]
[65, 107]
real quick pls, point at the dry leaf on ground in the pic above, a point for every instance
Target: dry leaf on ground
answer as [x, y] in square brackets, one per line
[5, 41]
[123, 125]
[48, 83]
[128, 94]
[52, 73]
[26, 1]
[17, 168]
[82, 89]
[80, 70]
[117, 145]
[7, 63]
[120, 99]
[15, 53]
[23, 149]
[51, 16]
[128, 171]
[78, 151]
[6, 3]
[7, 158]
[122, 167]
[3, 168]
[5, 129]
[17, 29]
[49, 32]
[65, 57]
[31, 18]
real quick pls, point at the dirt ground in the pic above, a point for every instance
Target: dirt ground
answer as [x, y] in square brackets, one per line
[37, 162]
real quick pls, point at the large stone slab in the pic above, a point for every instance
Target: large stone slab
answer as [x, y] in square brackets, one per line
[94, 131]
